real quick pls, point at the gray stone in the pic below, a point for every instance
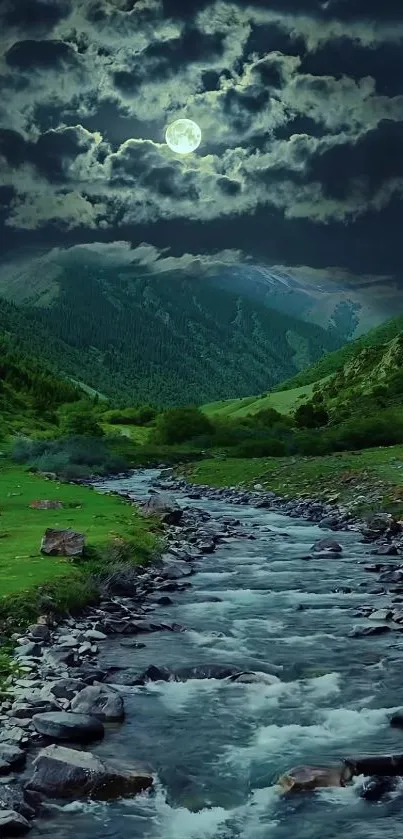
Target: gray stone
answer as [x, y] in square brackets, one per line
[95, 635]
[12, 824]
[32, 649]
[62, 725]
[57, 542]
[99, 701]
[39, 631]
[63, 688]
[328, 545]
[58, 655]
[165, 506]
[66, 773]
[11, 757]
[381, 615]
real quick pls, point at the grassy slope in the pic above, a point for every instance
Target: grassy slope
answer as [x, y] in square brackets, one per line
[291, 393]
[283, 401]
[99, 517]
[374, 474]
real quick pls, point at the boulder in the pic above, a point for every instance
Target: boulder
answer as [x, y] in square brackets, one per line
[32, 650]
[57, 542]
[385, 765]
[59, 655]
[381, 615]
[39, 632]
[397, 720]
[165, 506]
[12, 824]
[381, 524]
[306, 778]
[327, 546]
[63, 688]
[99, 701]
[12, 797]
[255, 677]
[11, 757]
[46, 505]
[66, 773]
[62, 725]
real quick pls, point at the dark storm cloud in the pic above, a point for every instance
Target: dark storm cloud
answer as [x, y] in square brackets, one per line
[38, 15]
[29, 54]
[300, 103]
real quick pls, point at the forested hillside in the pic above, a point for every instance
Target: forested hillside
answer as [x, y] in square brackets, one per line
[162, 339]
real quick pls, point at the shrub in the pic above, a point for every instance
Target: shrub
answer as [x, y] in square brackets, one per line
[311, 416]
[80, 419]
[179, 425]
[131, 416]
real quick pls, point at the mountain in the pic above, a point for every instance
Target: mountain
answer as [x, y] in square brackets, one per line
[374, 360]
[345, 305]
[30, 393]
[164, 338]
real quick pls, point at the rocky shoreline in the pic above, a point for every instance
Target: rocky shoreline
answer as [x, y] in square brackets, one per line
[61, 696]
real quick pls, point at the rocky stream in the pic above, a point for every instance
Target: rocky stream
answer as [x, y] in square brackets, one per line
[265, 644]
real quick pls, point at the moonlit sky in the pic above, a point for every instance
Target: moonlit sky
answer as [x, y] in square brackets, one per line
[300, 104]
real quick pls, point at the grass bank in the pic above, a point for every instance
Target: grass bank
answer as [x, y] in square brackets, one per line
[369, 479]
[28, 580]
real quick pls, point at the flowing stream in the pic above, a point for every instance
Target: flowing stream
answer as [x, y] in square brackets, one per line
[217, 748]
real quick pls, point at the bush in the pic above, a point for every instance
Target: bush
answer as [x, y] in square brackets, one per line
[179, 425]
[72, 458]
[131, 416]
[311, 416]
[270, 447]
[385, 429]
[80, 419]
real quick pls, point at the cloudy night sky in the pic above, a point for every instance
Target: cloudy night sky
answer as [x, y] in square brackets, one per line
[300, 104]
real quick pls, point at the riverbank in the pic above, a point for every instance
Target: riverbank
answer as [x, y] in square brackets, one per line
[363, 481]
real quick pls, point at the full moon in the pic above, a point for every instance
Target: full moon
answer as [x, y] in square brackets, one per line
[183, 136]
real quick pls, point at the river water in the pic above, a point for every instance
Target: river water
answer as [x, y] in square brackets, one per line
[217, 748]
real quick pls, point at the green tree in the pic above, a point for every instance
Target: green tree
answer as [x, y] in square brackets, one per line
[311, 416]
[177, 425]
[80, 420]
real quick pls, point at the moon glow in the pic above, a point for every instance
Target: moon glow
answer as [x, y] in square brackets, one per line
[183, 136]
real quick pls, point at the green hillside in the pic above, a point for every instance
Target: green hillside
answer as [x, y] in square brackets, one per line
[163, 339]
[29, 392]
[370, 360]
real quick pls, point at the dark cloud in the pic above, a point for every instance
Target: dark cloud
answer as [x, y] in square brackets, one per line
[29, 54]
[300, 104]
[340, 57]
[374, 158]
[35, 14]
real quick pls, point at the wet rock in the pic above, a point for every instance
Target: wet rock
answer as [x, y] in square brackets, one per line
[376, 765]
[59, 655]
[39, 632]
[307, 778]
[57, 542]
[62, 725]
[99, 701]
[380, 524]
[255, 677]
[95, 635]
[90, 674]
[386, 550]
[64, 688]
[165, 506]
[327, 545]
[31, 650]
[11, 757]
[397, 720]
[67, 773]
[27, 804]
[381, 615]
[376, 787]
[392, 576]
[134, 645]
[365, 631]
[12, 824]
